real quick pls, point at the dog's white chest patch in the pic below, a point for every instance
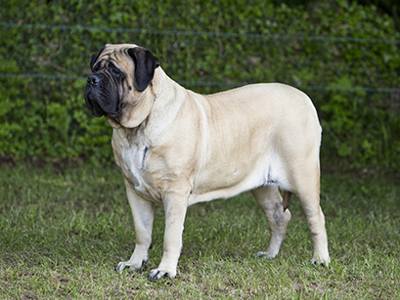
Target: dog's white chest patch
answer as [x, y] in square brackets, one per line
[134, 159]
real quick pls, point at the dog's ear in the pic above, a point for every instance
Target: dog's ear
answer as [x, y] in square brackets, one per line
[145, 64]
[94, 57]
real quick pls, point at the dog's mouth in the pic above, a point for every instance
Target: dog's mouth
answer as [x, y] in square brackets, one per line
[93, 104]
[102, 103]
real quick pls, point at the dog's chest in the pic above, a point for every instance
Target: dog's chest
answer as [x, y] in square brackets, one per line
[132, 164]
[132, 158]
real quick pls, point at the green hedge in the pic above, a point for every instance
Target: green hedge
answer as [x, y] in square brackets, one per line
[45, 116]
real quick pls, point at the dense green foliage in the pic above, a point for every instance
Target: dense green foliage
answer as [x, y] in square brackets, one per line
[46, 117]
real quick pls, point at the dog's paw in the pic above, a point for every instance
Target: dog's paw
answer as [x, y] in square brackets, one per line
[266, 255]
[157, 274]
[129, 266]
[321, 262]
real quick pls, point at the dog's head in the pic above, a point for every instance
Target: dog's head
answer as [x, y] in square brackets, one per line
[120, 86]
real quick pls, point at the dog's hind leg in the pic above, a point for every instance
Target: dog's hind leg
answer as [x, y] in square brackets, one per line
[271, 202]
[310, 201]
[307, 187]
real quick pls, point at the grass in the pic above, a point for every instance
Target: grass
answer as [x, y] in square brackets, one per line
[62, 235]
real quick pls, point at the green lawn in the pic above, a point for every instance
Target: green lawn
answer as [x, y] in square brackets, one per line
[62, 235]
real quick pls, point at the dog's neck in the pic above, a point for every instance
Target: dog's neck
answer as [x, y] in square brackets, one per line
[160, 84]
[166, 105]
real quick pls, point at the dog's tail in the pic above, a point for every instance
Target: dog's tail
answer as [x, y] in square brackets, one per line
[286, 199]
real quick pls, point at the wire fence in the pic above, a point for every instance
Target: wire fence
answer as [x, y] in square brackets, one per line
[204, 34]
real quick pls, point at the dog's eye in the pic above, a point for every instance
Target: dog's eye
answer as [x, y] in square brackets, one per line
[114, 70]
[96, 67]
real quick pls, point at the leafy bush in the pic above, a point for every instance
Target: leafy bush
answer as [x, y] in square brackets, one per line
[45, 116]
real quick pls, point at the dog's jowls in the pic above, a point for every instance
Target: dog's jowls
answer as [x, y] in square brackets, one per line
[177, 147]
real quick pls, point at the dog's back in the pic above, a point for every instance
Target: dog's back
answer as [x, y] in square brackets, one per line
[254, 133]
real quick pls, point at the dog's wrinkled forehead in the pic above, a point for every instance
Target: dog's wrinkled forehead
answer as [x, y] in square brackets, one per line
[126, 57]
[115, 53]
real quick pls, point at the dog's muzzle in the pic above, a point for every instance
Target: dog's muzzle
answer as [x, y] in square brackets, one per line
[102, 97]
[93, 80]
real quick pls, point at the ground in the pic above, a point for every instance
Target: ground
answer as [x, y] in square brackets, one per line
[63, 232]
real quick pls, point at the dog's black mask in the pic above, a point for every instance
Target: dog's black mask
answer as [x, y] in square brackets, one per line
[101, 94]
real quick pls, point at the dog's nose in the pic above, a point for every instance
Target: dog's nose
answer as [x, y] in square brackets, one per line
[93, 80]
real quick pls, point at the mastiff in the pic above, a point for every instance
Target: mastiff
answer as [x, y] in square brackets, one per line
[177, 147]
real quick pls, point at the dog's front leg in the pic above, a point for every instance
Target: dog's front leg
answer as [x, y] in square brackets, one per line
[175, 211]
[143, 216]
